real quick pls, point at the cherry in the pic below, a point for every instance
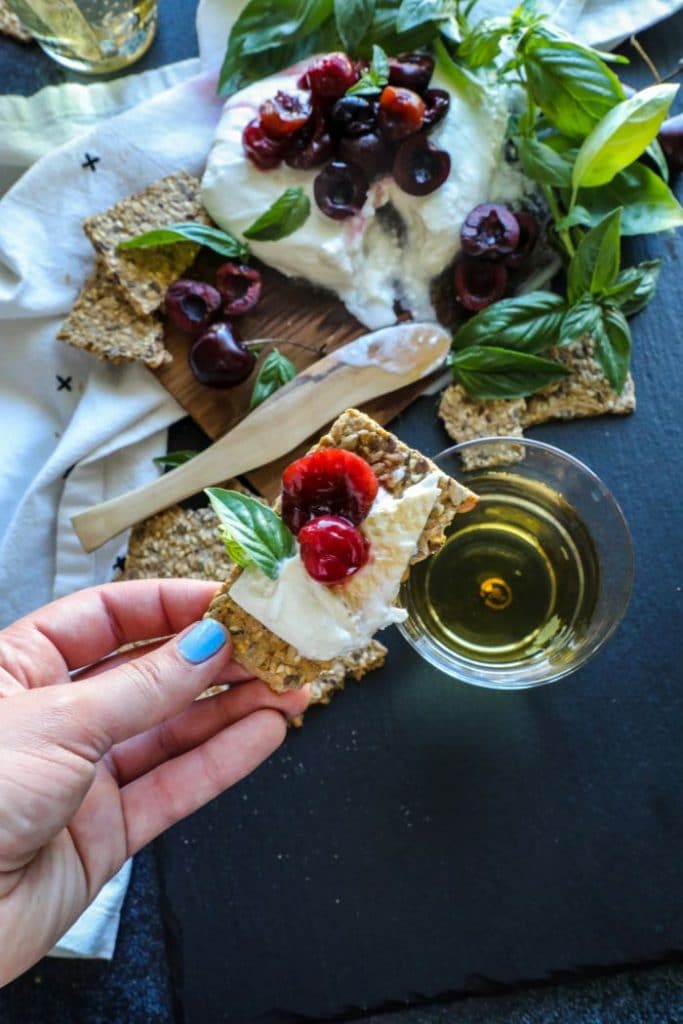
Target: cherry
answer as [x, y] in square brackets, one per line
[437, 102]
[340, 190]
[191, 305]
[329, 77]
[401, 112]
[479, 283]
[528, 234]
[261, 149]
[411, 71]
[332, 549]
[219, 359]
[330, 481]
[284, 114]
[490, 230]
[370, 152]
[312, 146]
[353, 115]
[419, 167]
[671, 140]
[239, 286]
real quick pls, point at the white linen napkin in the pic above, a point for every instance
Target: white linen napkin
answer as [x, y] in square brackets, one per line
[77, 431]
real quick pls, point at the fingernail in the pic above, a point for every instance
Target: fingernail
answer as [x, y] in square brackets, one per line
[203, 641]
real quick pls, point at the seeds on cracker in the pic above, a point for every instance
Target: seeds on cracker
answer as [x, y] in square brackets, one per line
[103, 322]
[145, 274]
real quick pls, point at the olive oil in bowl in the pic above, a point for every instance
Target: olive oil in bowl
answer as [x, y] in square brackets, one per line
[513, 598]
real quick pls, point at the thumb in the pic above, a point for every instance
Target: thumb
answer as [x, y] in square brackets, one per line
[139, 694]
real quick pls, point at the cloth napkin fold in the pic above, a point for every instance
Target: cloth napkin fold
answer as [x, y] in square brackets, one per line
[77, 431]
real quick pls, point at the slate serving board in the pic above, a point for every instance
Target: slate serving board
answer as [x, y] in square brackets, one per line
[422, 837]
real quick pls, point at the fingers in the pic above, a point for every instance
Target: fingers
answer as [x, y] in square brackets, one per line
[232, 673]
[79, 630]
[170, 792]
[199, 723]
[141, 693]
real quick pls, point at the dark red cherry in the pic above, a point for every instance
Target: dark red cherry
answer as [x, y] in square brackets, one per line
[191, 305]
[264, 152]
[490, 230]
[419, 167]
[411, 71]
[353, 115]
[330, 76]
[478, 283]
[240, 287]
[312, 146]
[340, 190]
[437, 102]
[219, 359]
[332, 549]
[671, 140]
[528, 234]
[370, 152]
[284, 114]
[401, 112]
[331, 481]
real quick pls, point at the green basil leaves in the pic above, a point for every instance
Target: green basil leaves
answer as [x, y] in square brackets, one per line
[491, 372]
[251, 532]
[527, 323]
[287, 213]
[221, 242]
[275, 371]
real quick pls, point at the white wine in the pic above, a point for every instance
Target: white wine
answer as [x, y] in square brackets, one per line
[517, 579]
[90, 35]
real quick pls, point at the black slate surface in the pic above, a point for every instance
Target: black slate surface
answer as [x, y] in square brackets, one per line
[423, 839]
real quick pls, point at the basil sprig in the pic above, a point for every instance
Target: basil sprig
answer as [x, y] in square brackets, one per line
[527, 323]
[251, 532]
[287, 213]
[276, 370]
[375, 78]
[492, 372]
[174, 459]
[219, 241]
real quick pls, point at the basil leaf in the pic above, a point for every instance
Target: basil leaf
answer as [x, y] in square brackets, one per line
[287, 213]
[612, 337]
[634, 287]
[656, 154]
[275, 371]
[353, 18]
[173, 459]
[648, 202]
[482, 45]
[571, 85]
[527, 323]
[460, 78]
[489, 372]
[251, 532]
[269, 26]
[621, 136]
[577, 215]
[413, 13]
[212, 238]
[543, 164]
[595, 264]
[581, 319]
[375, 78]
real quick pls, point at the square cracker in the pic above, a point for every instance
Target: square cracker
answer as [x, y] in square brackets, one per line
[186, 543]
[103, 322]
[145, 274]
[11, 26]
[397, 467]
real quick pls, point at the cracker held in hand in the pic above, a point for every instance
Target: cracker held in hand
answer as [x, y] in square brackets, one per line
[145, 274]
[103, 322]
[397, 468]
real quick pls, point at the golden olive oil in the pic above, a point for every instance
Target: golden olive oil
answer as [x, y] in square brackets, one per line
[517, 576]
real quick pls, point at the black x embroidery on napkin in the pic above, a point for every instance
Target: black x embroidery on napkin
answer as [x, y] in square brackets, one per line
[63, 383]
[90, 162]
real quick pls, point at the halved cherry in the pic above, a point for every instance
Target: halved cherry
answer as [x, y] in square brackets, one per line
[478, 283]
[332, 549]
[331, 481]
[528, 234]
[285, 113]
[263, 151]
[239, 286]
[490, 230]
[401, 112]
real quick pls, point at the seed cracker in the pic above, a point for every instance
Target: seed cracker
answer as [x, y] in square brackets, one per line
[103, 322]
[145, 274]
[585, 392]
[186, 543]
[397, 467]
[11, 26]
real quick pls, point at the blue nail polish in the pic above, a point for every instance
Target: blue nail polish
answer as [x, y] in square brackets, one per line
[203, 641]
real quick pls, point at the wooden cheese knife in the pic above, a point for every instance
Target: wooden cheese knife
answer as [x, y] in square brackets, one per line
[371, 366]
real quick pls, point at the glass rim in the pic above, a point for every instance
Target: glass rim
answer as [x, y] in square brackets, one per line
[491, 677]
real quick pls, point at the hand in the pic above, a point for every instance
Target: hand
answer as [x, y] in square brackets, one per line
[100, 754]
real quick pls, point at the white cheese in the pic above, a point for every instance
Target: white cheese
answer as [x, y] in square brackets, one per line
[325, 622]
[361, 258]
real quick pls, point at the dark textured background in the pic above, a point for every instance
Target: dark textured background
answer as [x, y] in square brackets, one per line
[421, 839]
